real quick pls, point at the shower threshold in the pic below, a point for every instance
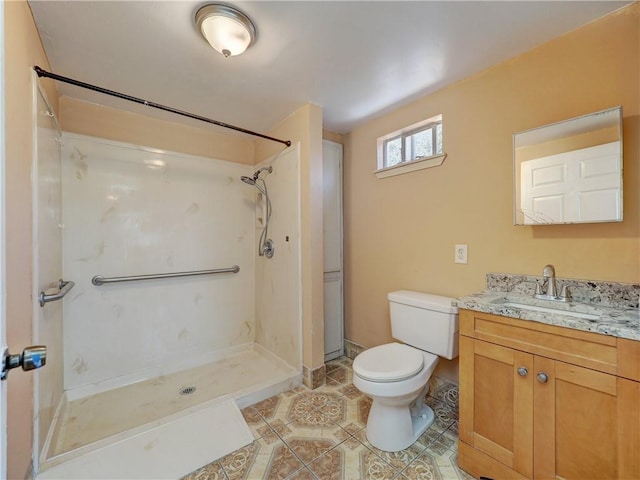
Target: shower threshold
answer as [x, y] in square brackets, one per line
[177, 404]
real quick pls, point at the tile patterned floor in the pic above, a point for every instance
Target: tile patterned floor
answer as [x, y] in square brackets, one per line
[319, 434]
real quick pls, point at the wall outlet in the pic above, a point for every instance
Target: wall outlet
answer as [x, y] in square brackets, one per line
[460, 254]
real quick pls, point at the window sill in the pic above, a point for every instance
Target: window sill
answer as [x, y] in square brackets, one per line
[407, 167]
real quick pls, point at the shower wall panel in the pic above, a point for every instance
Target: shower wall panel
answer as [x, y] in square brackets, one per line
[129, 210]
[279, 279]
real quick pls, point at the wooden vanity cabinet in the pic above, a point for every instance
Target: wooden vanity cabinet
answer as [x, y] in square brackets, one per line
[540, 401]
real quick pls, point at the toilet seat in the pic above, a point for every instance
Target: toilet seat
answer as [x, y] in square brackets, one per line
[392, 362]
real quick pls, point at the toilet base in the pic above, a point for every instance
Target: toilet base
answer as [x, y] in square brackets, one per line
[422, 421]
[392, 429]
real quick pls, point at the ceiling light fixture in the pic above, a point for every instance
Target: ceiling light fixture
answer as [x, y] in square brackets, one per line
[227, 29]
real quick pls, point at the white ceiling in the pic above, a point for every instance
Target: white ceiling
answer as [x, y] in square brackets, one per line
[355, 59]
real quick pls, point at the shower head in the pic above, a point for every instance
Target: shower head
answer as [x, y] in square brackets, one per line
[248, 180]
[253, 181]
[256, 175]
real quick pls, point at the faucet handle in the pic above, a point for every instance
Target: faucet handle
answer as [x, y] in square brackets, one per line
[564, 293]
[538, 289]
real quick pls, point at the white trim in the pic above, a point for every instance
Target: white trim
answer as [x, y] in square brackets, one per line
[35, 334]
[412, 166]
[3, 336]
[402, 134]
[410, 128]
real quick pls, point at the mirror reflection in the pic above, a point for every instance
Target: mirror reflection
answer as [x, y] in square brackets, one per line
[570, 172]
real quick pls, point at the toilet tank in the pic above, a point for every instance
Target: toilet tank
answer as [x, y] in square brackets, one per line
[425, 321]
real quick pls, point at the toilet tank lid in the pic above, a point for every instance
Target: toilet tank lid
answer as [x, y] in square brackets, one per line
[427, 301]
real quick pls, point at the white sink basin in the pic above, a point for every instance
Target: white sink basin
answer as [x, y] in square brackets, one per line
[571, 313]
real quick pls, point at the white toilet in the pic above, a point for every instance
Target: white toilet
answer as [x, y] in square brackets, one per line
[396, 376]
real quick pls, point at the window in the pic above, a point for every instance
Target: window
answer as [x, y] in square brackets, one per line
[413, 145]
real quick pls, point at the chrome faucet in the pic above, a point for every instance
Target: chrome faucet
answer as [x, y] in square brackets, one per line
[549, 274]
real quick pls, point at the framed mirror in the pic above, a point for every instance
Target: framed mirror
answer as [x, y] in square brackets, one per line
[570, 171]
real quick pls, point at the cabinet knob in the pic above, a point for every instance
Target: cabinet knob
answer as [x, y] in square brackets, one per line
[542, 377]
[522, 371]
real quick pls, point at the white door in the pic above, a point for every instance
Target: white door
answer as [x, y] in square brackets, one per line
[573, 186]
[332, 230]
[3, 327]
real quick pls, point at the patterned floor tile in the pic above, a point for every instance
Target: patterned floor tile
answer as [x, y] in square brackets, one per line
[331, 386]
[424, 467]
[445, 414]
[260, 460]
[340, 374]
[303, 474]
[269, 433]
[276, 407]
[300, 389]
[351, 460]
[401, 459]
[308, 443]
[349, 390]
[332, 383]
[447, 465]
[340, 362]
[356, 413]
[316, 409]
[320, 434]
[432, 434]
[461, 473]
[254, 420]
[437, 462]
[213, 471]
[444, 391]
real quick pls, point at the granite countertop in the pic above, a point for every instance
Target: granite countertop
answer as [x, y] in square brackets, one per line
[616, 320]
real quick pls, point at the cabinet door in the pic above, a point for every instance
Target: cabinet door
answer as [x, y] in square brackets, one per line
[587, 423]
[496, 406]
[332, 249]
[333, 332]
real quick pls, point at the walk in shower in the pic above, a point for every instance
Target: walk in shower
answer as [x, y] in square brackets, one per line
[146, 361]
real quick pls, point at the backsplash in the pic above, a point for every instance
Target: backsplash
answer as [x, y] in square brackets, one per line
[609, 294]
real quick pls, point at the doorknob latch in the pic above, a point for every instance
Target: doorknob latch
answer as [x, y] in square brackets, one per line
[31, 358]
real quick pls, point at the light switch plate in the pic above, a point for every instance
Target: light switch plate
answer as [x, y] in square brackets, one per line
[460, 254]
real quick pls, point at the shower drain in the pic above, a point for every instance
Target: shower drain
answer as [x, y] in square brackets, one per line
[187, 390]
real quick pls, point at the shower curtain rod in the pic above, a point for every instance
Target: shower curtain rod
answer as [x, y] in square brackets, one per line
[147, 103]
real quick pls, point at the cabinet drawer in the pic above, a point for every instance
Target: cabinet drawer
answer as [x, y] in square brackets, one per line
[590, 350]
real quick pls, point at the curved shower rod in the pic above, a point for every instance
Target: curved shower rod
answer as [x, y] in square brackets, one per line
[147, 103]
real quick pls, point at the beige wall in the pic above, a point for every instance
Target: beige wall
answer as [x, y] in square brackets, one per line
[23, 50]
[99, 121]
[400, 231]
[305, 126]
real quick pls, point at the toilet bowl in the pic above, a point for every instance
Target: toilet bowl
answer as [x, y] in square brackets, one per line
[398, 414]
[396, 375]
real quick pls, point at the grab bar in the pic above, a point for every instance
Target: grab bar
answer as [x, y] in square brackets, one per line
[63, 288]
[99, 280]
